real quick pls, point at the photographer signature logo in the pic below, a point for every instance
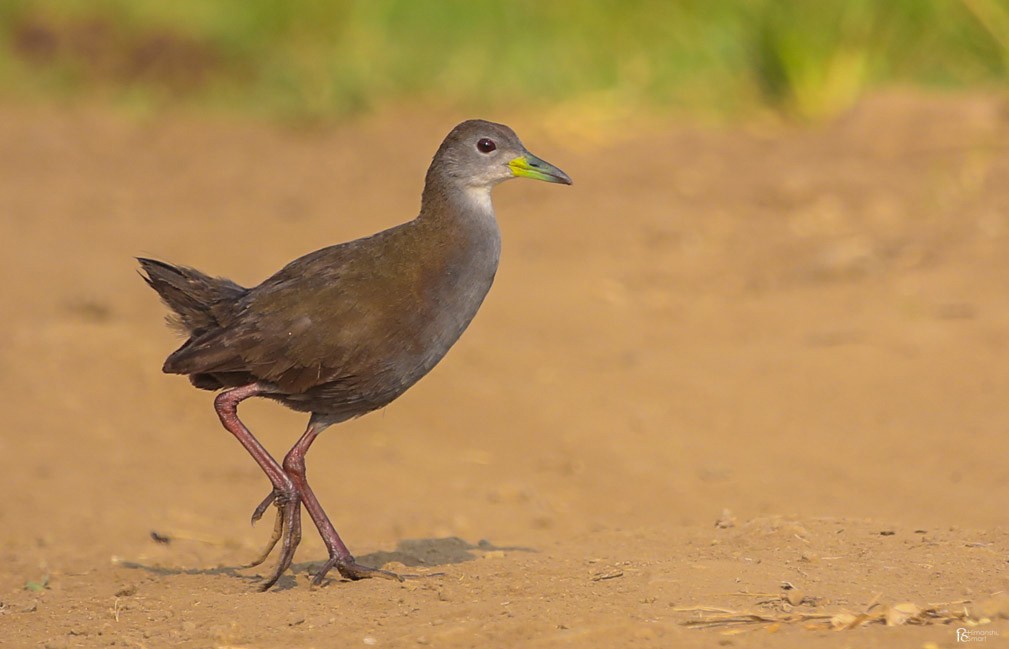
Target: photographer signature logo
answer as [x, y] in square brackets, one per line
[975, 635]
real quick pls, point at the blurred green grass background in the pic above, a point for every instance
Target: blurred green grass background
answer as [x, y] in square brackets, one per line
[315, 59]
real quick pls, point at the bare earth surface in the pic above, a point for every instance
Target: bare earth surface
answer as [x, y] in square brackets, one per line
[753, 375]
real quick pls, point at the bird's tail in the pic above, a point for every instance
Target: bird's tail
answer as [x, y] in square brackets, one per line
[198, 301]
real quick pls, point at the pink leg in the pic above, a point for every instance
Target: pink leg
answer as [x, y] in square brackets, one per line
[339, 555]
[285, 492]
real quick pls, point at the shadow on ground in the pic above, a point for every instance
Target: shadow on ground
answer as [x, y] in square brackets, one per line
[414, 553]
[434, 552]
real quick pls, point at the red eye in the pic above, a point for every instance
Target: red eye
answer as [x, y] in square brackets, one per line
[485, 145]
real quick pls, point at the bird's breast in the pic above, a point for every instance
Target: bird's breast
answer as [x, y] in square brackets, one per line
[451, 284]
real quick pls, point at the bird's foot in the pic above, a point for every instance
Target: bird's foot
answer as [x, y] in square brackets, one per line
[286, 531]
[278, 531]
[278, 526]
[351, 569]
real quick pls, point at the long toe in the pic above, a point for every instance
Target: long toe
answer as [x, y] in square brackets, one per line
[291, 537]
[351, 569]
[278, 532]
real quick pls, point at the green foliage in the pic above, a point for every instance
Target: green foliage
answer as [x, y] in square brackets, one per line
[810, 58]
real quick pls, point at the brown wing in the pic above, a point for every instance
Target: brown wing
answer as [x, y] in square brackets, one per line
[327, 317]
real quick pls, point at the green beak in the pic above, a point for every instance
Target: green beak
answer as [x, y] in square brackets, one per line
[530, 166]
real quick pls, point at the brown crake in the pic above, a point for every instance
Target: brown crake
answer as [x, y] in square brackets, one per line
[346, 329]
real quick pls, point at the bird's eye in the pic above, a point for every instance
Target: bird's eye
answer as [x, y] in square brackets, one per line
[485, 145]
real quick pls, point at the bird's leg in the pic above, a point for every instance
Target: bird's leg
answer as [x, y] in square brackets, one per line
[285, 492]
[339, 556]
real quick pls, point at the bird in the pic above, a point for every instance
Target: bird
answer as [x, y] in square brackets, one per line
[345, 330]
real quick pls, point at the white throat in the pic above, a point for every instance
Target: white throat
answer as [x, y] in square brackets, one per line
[479, 198]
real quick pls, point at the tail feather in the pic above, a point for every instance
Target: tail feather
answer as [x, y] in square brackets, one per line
[198, 301]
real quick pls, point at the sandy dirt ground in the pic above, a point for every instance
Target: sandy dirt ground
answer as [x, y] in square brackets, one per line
[752, 377]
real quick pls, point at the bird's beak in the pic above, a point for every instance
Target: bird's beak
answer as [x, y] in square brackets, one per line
[530, 166]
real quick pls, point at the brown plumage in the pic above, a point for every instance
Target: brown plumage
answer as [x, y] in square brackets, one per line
[345, 330]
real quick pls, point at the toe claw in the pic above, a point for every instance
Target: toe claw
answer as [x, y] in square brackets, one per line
[263, 506]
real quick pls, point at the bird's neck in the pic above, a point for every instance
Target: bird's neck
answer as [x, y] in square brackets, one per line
[461, 206]
[461, 220]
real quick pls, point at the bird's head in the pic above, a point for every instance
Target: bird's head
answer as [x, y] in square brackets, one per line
[478, 155]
